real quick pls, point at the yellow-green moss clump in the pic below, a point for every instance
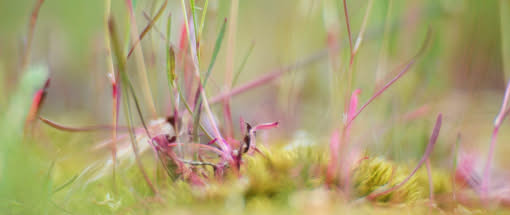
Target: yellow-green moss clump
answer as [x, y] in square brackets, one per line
[281, 171]
[379, 174]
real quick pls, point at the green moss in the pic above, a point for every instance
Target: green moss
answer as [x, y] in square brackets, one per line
[376, 173]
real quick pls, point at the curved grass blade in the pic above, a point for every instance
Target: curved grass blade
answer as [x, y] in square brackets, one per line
[396, 78]
[67, 183]
[148, 27]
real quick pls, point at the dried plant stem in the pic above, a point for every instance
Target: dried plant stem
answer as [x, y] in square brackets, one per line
[147, 28]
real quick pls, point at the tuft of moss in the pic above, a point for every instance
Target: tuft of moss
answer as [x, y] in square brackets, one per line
[378, 174]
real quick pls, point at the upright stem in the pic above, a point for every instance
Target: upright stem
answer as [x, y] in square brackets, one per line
[142, 73]
[111, 74]
[230, 65]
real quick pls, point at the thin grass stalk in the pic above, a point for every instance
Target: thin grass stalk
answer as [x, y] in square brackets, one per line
[202, 21]
[397, 77]
[349, 96]
[147, 28]
[115, 90]
[229, 71]
[142, 73]
[380, 72]
[243, 63]
[223, 145]
[124, 85]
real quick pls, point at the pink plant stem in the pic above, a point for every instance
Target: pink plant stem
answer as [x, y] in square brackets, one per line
[115, 113]
[271, 76]
[399, 75]
[497, 123]
[404, 71]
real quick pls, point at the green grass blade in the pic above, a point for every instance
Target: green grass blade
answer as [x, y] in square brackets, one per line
[202, 21]
[243, 63]
[67, 183]
[504, 7]
[217, 47]
[193, 14]
[127, 89]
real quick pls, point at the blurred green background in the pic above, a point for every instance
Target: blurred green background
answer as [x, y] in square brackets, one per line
[462, 73]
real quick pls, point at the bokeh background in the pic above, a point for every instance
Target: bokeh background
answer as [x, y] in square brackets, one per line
[462, 73]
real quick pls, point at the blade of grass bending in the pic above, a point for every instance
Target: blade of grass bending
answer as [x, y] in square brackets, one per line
[148, 27]
[67, 183]
[425, 157]
[124, 81]
[161, 34]
[243, 63]
[25, 61]
[399, 75]
[67, 128]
